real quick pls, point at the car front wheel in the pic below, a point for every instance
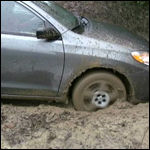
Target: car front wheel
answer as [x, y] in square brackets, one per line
[97, 90]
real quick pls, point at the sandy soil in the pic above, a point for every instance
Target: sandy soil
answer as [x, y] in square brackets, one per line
[121, 126]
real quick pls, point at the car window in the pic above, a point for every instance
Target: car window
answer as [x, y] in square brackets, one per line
[16, 19]
[18, 9]
[63, 16]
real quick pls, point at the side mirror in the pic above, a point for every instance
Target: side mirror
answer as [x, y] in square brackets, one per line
[47, 33]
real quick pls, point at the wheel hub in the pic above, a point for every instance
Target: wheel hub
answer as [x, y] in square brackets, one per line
[101, 99]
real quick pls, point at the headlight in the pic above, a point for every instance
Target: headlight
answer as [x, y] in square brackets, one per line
[142, 57]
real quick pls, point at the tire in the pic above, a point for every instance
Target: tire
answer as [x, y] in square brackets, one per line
[97, 90]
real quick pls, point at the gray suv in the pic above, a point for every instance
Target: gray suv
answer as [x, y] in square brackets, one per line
[47, 53]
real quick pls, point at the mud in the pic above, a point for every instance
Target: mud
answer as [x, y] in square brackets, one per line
[121, 126]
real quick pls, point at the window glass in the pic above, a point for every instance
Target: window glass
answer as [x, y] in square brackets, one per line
[63, 16]
[17, 19]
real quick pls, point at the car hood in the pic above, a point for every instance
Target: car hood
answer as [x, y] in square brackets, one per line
[116, 35]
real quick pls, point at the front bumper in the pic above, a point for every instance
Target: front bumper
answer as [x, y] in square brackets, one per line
[140, 84]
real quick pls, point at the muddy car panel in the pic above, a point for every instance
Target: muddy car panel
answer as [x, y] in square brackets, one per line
[37, 67]
[91, 53]
[30, 66]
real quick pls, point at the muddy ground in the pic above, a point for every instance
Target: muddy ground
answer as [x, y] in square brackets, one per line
[30, 125]
[121, 126]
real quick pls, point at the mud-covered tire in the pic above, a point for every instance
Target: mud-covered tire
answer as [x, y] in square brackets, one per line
[97, 82]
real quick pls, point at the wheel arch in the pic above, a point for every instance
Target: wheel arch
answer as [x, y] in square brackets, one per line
[123, 77]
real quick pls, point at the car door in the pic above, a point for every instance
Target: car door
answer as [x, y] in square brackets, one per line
[29, 66]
